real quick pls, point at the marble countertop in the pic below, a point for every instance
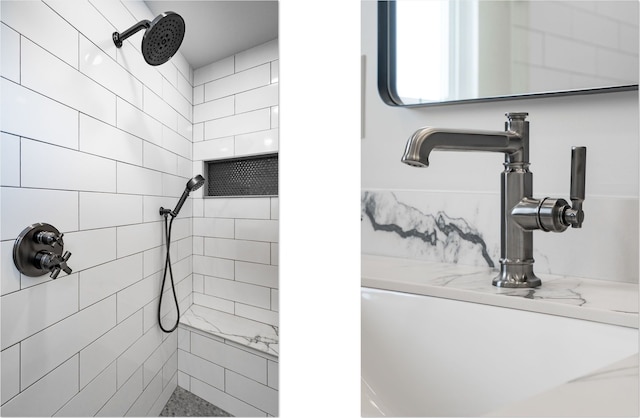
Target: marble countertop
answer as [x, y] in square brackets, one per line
[257, 335]
[602, 301]
[610, 391]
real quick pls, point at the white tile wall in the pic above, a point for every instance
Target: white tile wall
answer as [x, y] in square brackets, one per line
[10, 53]
[195, 366]
[106, 279]
[98, 138]
[225, 401]
[266, 52]
[258, 395]
[56, 35]
[239, 82]
[237, 291]
[126, 395]
[91, 247]
[257, 120]
[10, 372]
[32, 115]
[63, 339]
[22, 207]
[249, 208]
[47, 395]
[259, 274]
[235, 115]
[119, 134]
[159, 109]
[257, 142]
[213, 71]
[71, 88]
[240, 381]
[10, 152]
[104, 351]
[138, 123]
[564, 43]
[73, 170]
[31, 310]
[257, 98]
[104, 69]
[213, 109]
[138, 180]
[123, 210]
[258, 252]
[93, 397]
[77, 116]
[267, 316]
[213, 149]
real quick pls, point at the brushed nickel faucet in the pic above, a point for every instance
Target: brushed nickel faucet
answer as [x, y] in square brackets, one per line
[520, 212]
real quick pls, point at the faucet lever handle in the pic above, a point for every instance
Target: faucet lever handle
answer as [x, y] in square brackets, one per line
[575, 215]
[578, 171]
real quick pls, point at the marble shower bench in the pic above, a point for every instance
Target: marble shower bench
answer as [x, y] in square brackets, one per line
[230, 361]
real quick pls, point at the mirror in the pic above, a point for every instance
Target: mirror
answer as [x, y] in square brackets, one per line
[441, 51]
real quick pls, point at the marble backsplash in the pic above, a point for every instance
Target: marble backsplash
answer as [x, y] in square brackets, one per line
[464, 228]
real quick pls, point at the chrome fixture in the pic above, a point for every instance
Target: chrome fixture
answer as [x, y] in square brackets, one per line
[162, 37]
[520, 213]
[38, 251]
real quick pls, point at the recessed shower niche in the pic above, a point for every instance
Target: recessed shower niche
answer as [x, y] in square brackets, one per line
[246, 176]
[129, 120]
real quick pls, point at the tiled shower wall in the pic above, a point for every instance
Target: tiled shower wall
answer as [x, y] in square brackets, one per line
[235, 242]
[94, 141]
[577, 43]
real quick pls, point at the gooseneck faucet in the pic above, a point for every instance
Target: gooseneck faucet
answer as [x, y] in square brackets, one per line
[520, 213]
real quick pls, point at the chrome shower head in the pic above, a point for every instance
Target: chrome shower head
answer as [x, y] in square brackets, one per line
[161, 40]
[193, 184]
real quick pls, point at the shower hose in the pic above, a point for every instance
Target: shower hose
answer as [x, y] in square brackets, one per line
[167, 266]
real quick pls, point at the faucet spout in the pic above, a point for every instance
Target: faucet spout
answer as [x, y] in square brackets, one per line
[427, 139]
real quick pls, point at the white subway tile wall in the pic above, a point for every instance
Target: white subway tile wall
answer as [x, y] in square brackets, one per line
[94, 140]
[235, 238]
[242, 381]
[579, 42]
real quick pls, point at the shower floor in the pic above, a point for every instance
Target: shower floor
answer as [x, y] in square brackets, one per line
[183, 403]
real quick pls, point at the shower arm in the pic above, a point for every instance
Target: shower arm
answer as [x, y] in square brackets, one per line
[119, 37]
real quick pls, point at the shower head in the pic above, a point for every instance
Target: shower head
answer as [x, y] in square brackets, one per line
[162, 37]
[193, 184]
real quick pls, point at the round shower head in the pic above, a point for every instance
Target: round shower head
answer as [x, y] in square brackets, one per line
[163, 38]
[195, 183]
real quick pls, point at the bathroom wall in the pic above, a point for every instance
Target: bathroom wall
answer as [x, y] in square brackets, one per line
[94, 141]
[559, 44]
[235, 241]
[450, 211]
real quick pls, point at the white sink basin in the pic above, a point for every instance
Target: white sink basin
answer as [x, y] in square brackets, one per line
[428, 356]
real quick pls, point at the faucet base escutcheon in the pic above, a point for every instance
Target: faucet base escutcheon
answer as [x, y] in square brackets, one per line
[516, 274]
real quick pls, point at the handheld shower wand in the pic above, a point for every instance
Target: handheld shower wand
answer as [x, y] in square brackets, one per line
[193, 184]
